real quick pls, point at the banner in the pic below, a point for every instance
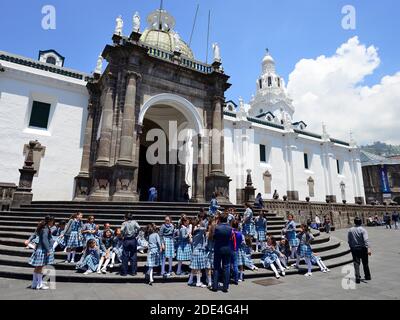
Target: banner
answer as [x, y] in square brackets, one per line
[384, 179]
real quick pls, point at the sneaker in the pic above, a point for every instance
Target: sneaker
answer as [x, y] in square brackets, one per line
[141, 251]
[111, 266]
[88, 272]
[42, 287]
[308, 274]
[240, 280]
[99, 271]
[200, 285]
[151, 282]
[255, 268]
[328, 270]
[66, 261]
[277, 276]
[104, 271]
[283, 273]
[324, 271]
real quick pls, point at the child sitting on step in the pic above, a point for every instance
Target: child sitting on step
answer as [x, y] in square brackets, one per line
[244, 257]
[32, 242]
[57, 236]
[90, 258]
[271, 257]
[117, 247]
[142, 243]
[107, 242]
[316, 260]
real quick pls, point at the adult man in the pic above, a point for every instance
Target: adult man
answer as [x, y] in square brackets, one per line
[153, 194]
[222, 252]
[360, 249]
[130, 230]
[396, 218]
[387, 221]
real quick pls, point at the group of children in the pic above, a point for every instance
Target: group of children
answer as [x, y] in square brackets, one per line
[191, 241]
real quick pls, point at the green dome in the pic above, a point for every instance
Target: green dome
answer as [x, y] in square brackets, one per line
[160, 34]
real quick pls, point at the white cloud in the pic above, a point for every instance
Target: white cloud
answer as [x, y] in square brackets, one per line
[331, 90]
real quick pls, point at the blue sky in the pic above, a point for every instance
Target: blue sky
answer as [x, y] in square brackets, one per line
[291, 29]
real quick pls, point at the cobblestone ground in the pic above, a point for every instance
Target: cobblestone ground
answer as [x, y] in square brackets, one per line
[384, 263]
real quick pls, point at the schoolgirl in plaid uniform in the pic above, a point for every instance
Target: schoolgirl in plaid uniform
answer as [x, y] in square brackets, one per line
[142, 243]
[284, 248]
[316, 260]
[72, 234]
[167, 243]
[90, 258]
[261, 230]
[304, 249]
[184, 251]
[118, 243]
[244, 257]
[32, 242]
[213, 206]
[271, 257]
[290, 232]
[199, 256]
[248, 223]
[43, 254]
[210, 251]
[154, 252]
[108, 242]
[58, 238]
[89, 230]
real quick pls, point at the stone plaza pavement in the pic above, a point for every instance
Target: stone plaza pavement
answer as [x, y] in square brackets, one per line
[384, 264]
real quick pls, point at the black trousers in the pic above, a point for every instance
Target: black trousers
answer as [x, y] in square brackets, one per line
[360, 255]
[129, 255]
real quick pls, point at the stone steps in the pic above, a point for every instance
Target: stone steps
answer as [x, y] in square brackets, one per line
[16, 227]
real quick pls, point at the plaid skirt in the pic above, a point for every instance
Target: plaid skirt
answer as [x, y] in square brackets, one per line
[184, 252]
[248, 262]
[261, 235]
[249, 229]
[153, 259]
[74, 240]
[40, 258]
[210, 260]
[269, 259]
[199, 260]
[241, 257]
[304, 251]
[90, 262]
[169, 251]
[60, 240]
[315, 259]
[118, 253]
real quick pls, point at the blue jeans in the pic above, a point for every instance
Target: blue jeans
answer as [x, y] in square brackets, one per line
[129, 254]
[222, 256]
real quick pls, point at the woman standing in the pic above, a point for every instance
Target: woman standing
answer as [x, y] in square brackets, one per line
[43, 254]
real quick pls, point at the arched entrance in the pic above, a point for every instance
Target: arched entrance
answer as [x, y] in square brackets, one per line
[169, 125]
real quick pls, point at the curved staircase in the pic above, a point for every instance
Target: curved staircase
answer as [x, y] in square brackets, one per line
[17, 225]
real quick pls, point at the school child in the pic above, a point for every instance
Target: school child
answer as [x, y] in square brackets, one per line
[32, 242]
[167, 244]
[117, 247]
[106, 227]
[90, 258]
[210, 251]
[142, 242]
[290, 232]
[304, 251]
[43, 254]
[184, 252]
[58, 238]
[154, 252]
[89, 230]
[247, 222]
[271, 257]
[284, 248]
[72, 234]
[107, 242]
[231, 215]
[199, 257]
[214, 206]
[316, 260]
[236, 242]
[244, 257]
[261, 230]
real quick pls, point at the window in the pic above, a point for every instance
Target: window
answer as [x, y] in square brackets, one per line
[51, 60]
[269, 81]
[279, 82]
[339, 166]
[40, 115]
[306, 162]
[263, 156]
[260, 83]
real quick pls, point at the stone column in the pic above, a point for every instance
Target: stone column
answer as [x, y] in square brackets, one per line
[102, 172]
[82, 181]
[217, 182]
[198, 196]
[125, 169]
[292, 194]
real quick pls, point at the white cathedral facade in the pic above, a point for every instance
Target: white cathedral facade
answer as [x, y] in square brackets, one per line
[45, 101]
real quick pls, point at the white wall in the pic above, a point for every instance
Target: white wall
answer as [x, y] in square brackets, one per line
[19, 86]
[275, 143]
